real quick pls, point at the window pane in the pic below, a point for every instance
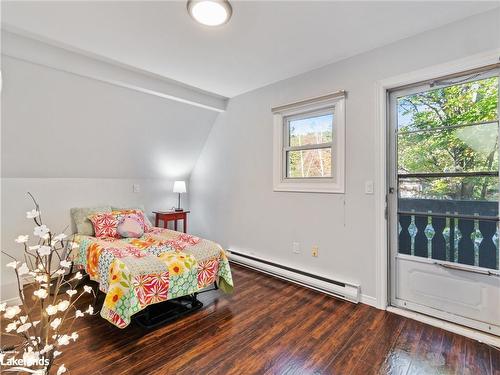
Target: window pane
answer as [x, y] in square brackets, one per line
[311, 130]
[465, 103]
[450, 188]
[466, 149]
[309, 163]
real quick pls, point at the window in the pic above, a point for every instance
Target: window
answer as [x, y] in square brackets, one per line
[309, 145]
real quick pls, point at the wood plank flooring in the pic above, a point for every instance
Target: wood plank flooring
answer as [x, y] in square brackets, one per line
[269, 326]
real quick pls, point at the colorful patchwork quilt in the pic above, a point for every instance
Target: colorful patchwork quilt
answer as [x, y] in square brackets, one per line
[161, 265]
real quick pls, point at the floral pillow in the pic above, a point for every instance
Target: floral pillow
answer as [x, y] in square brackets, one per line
[130, 226]
[105, 224]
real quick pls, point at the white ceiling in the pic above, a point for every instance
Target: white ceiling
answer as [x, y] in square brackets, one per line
[264, 41]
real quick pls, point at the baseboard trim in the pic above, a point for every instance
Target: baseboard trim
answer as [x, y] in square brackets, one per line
[321, 283]
[369, 300]
[448, 326]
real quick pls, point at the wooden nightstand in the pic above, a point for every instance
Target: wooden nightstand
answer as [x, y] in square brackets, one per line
[167, 216]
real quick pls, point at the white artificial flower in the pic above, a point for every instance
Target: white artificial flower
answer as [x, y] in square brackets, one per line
[41, 231]
[3, 306]
[11, 326]
[65, 263]
[36, 247]
[41, 278]
[51, 310]
[44, 250]
[41, 293]
[74, 336]
[47, 348]
[57, 353]
[22, 239]
[63, 340]
[23, 270]
[71, 292]
[23, 319]
[78, 276]
[32, 214]
[90, 310]
[24, 327]
[55, 323]
[61, 369]
[13, 264]
[11, 312]
[30, 357]
[60, 237]
[35, 323]
[88, 289]
[63, 305]
[78, 314]
[60, 271]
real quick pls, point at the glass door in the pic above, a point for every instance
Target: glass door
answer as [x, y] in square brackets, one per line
[444, 199]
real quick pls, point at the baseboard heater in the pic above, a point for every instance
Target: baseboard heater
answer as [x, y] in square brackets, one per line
[349, 292]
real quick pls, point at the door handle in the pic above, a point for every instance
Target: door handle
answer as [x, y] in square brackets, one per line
[466, 269]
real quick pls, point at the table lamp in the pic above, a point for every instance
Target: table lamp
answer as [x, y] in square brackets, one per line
[179, 187]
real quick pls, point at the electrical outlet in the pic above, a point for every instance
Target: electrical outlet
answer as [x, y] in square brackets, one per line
[136, 188]
[296, 248]
[315, 251]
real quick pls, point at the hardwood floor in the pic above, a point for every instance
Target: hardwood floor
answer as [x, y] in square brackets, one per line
[269, 326]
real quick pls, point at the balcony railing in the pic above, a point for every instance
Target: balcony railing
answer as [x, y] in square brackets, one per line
[464, 232]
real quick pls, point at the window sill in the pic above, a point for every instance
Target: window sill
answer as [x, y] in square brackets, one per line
[309, 187]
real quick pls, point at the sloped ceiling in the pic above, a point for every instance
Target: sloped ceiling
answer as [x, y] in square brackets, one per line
[58, 124]
[265, 41]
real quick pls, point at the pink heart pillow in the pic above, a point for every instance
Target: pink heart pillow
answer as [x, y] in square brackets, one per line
[130, 226]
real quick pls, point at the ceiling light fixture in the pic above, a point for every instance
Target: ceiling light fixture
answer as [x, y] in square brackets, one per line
[210, 12]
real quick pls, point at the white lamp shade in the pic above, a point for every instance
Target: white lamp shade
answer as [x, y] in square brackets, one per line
[179, 187]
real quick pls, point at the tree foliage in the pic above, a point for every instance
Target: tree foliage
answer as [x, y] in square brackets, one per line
[429, 140]
[310, 163]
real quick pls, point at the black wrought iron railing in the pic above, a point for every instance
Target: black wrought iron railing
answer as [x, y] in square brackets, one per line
[465, 232]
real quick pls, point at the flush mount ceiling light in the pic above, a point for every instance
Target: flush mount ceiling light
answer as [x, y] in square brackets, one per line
[210, 12]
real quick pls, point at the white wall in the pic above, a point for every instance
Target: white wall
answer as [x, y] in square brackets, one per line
[57, 124]
[77, 142]
[232, 198]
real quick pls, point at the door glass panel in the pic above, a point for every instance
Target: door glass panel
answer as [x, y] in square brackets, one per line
[466, 103]
[447, 191]
[462, 149]
[447, 173]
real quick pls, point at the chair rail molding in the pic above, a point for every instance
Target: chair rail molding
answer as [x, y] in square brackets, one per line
[25, 46]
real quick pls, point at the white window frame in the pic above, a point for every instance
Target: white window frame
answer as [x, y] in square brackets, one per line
[332, 103]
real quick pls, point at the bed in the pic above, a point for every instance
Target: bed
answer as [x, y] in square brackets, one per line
[161, 265]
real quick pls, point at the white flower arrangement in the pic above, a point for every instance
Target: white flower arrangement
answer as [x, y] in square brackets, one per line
[42, 340]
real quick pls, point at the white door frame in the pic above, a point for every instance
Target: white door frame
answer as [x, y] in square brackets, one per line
[382, 245]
